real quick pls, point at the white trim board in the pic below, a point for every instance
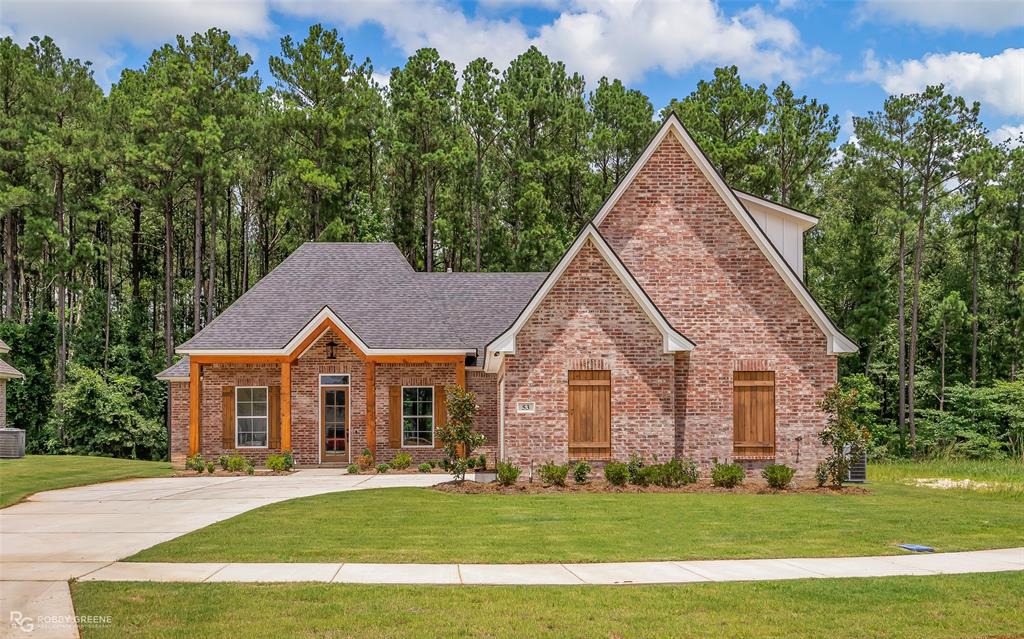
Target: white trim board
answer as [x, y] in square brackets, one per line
[505, 344]
[836, 341]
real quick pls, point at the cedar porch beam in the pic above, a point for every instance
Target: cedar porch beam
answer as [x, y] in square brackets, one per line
[371, 408]
[460, 372]
[194, 396]
[286, 406]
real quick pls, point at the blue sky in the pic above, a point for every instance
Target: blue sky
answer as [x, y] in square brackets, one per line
[849, 54]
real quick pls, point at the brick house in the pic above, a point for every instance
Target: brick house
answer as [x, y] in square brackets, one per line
[677, 324]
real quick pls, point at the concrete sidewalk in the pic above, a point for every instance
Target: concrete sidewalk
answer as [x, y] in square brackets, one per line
[640, 572]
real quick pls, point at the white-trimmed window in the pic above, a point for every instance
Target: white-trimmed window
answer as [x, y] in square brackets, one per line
[417, 416]
[251, 416]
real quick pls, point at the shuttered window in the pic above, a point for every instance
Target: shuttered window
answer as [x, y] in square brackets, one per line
[590, 414]
[753, 414]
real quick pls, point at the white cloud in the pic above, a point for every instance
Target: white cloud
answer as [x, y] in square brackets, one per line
[984, 16]
[996, 81]
[1014, 134]
[596, 37]
[97, 29]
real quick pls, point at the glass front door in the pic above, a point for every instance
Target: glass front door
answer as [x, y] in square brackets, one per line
[334, 421]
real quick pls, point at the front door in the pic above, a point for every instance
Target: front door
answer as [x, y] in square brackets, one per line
[334, 423]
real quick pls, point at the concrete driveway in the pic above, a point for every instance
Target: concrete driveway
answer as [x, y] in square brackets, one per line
[68, 533]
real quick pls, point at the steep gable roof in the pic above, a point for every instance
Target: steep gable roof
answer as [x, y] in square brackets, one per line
[505, 344]
[837, 341]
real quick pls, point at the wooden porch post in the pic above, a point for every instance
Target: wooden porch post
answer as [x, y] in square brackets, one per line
[194, 399]
[371, 408]
[460, 373]
[286, 405]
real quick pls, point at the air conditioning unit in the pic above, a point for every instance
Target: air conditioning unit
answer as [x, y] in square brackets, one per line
[12, 443]
[858, 473]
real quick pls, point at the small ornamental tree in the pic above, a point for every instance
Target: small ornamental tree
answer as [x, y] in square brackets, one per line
[845, 437]
[457, 436]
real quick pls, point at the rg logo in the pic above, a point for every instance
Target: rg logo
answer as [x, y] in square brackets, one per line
[22, 622]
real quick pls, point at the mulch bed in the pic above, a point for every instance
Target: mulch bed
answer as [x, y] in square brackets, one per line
[601, 486]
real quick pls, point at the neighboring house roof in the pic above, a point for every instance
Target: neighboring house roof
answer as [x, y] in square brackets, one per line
[837, 341]
[505, 344]
[4, 348]
[370, 290]
[9, 372]
[176, 372]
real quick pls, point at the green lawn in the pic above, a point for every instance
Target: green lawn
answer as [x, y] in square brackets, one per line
[20, 478]
[1005, 476]
[418, 525]
[894, 607]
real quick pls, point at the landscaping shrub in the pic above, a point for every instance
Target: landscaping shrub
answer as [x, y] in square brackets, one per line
[727, 475]
[581, 472]
[481, 462]
[276, 463]
[674, 473]
[249, 469]
[471, 463]
[633, 467]
[353, 469]
[778, 475]
[647, 475]
[843, 435]
[457, 435]
[289, 460]
[401, 461]
[425, 467]
[821, 474]
[508, 473]
[553, 474]
[383, 468]
[237, 463]
[433, 463]
[222, 461]
[616, 473]
[195, 462]
[365, 460]
[210, 466]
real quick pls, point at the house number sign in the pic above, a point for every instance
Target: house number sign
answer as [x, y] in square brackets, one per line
[525, 407]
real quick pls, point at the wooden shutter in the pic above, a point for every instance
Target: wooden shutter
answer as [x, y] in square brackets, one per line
[753, 415]
[440, 412]
[590, 414]
[228, 417]
[274, 417]
[395, 416]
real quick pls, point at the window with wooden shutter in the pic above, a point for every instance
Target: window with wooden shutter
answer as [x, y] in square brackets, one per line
[590, 414]
[753, 415]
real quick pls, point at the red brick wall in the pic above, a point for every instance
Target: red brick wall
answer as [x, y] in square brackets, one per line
[179, 422]
[485, 386]
[589, 320]
[715, 286]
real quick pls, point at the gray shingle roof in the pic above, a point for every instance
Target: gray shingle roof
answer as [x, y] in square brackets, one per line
[177, 370]
[372, 288]
[9, 372]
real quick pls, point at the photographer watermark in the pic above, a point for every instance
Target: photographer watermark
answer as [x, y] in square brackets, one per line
[27, 624]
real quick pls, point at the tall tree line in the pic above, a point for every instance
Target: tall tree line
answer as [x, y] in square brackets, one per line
[132, 218]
